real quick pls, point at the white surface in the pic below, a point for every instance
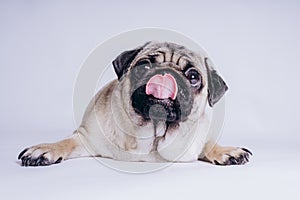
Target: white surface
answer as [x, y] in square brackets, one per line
[273, 173]
[254, 44]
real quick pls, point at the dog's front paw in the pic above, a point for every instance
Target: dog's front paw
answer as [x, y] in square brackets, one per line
[232, 156]
[40, 155]
[220, 155]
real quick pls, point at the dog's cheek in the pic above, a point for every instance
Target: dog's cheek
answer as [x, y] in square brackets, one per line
[185, 100]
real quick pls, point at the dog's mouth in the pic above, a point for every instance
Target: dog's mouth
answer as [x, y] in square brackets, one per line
[153, 108]
[162, 87]
[162, 98]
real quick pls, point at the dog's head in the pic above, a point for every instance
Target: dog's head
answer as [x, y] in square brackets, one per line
[168, 82]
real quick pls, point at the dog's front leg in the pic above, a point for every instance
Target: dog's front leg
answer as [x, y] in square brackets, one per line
[53, 153]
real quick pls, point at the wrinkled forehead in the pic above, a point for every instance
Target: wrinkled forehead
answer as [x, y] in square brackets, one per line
[169, 52]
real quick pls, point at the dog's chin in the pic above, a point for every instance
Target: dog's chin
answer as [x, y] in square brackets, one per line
[151, 108]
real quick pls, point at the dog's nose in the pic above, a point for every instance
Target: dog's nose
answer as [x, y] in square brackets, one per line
[162, 86]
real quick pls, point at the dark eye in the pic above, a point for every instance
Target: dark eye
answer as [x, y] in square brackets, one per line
[142, 67]
[194, 77]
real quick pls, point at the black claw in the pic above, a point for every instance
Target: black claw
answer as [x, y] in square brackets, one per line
[233, 160]
[244, 149]
[27, 163]
[39, 160]
[58, 160]
[216, 162]
[247, 158]
[44, 161]
[24, 159]
[241, 159]
[22, 153]
[32, 162]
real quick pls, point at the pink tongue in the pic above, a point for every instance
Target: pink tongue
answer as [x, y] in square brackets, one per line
[162, 87]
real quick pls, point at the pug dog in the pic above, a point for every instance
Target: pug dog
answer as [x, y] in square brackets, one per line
[159, 109]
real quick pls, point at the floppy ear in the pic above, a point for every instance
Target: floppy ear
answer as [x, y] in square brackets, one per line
[216, 85]
[123, 61]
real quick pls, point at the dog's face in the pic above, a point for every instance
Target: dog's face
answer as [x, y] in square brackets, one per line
[167, 82]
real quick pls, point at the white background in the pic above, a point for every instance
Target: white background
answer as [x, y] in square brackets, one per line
[255, 46]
